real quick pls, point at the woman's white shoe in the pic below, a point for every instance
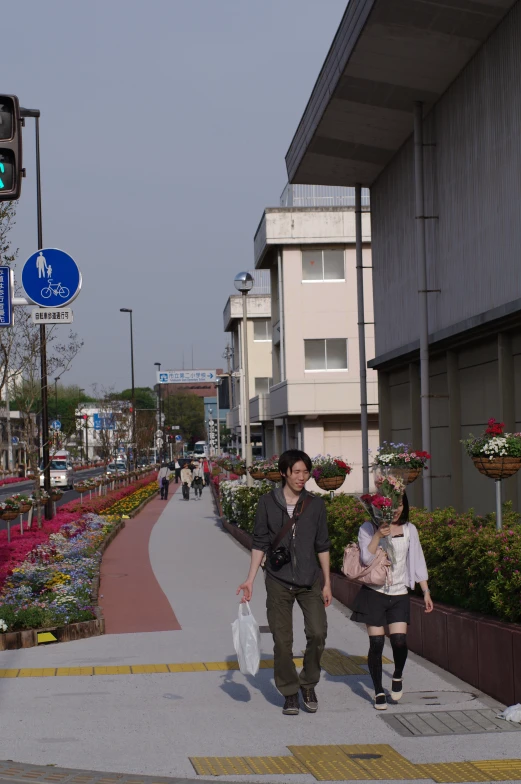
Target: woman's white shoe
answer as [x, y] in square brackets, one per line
[380, 702]
[397, 689]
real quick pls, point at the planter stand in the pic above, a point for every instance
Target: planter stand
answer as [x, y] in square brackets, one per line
[498, 468]
[21, 524]
[499, 506]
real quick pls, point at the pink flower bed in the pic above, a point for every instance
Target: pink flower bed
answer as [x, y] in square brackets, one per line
[22, 544]
[10, 480]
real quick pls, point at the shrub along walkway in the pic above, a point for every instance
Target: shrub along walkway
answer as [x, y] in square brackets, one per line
[192, 715]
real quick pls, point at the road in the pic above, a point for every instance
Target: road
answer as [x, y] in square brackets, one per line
[28, 487]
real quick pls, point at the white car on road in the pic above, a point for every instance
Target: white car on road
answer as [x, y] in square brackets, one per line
[62, 474]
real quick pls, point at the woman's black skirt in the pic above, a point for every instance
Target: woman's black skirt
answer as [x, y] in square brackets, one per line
[379, 609]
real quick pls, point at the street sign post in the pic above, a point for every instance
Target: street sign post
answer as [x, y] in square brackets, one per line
[6, 296]
[56, 424]
[51, 278]
[175, 427]
[178, 439]
[186, 376]
[159, 441]
[52, 316]
[15, 440]
[159, 433]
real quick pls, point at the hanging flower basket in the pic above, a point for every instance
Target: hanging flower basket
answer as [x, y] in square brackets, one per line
[330, 483]
[412, 475]
[25, 507]
[238, 471]
[10, 514]
[273, 476]
[256, 474]
[497, 467]
[56, 496]
[81, 488]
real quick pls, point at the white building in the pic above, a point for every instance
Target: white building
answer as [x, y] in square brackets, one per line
[313, 402]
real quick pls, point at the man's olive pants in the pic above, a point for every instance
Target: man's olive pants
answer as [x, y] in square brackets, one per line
[279, 605]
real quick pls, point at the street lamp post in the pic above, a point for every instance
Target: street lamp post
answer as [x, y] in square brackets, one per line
[244, 283]
[134, 443]
[35, 113]
[80, 391]
[158, 365]
[56, 396]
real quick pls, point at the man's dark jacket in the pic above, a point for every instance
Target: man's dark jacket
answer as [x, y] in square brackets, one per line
[311, 537]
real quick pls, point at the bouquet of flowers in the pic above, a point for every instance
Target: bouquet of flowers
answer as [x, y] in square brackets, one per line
[494, 442]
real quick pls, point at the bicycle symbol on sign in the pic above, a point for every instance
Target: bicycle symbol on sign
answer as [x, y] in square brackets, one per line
[55, 288]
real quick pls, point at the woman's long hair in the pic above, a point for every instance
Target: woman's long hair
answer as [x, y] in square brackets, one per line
[404, 517]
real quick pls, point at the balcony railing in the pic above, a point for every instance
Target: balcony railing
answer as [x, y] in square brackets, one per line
[321, 196]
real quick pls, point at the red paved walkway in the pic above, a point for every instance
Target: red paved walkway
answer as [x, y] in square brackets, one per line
[130, 596]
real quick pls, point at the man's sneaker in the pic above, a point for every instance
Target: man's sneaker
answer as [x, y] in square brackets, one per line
[380, 702]
[310, 699]
[397, 689]
[291, 705]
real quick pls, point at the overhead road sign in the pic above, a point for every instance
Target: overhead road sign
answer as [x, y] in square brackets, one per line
[6, 296]
[186, 376]
[51, 278]
[52, 316]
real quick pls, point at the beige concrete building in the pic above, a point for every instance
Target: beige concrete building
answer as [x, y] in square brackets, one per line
[259, 356]
[313, 401]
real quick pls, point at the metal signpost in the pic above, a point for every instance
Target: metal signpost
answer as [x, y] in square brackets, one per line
[186, 376]
[51, 278]
[56, 424]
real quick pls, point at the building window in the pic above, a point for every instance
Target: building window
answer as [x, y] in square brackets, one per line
[262, 330]
[328, 354]
[262, 385]
[322, 265]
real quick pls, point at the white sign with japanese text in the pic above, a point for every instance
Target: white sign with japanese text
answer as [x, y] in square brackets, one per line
[52, 316]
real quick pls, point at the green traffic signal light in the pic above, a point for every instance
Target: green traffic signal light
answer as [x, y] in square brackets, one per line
[10, 148]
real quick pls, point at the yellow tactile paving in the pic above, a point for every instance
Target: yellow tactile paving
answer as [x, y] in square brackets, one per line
[9, 673]
[381, 761]
[336, 663]
[75, 671]
[500, 770]
[451, 772]
[329, 763]
[220, 766]
[264, 766]
[229, 665]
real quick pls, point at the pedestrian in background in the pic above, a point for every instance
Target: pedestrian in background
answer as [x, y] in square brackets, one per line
[380, 606]
[177, 469]
[291, 531]
[206, 470]
[163, 480]
[198, 479]
[186, 479]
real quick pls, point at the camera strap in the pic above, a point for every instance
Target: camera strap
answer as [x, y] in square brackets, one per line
[299, 509]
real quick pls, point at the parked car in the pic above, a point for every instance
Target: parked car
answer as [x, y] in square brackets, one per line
[62, 474]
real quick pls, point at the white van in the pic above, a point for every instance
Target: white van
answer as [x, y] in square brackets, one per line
[62, 474]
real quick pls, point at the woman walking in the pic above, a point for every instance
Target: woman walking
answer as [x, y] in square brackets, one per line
[380, 606]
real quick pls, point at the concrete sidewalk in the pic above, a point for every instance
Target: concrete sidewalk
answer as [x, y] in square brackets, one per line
[130, 720]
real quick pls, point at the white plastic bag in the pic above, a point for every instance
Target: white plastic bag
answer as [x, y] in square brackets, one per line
[246, 641]
[511, 714]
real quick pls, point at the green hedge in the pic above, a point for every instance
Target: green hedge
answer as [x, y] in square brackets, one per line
[471, 565]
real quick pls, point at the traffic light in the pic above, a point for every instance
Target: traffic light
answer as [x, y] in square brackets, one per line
[11, 172]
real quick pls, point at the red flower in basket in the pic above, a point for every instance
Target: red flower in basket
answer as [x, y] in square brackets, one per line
[495, 428]
[343, 466]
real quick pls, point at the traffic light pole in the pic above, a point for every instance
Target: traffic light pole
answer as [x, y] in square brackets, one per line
[43, 335]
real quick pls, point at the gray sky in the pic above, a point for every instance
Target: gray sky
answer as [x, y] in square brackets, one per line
[163, 134]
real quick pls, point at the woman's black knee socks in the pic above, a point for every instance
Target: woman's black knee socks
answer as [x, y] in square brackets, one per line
[374, 660]
[400, 651]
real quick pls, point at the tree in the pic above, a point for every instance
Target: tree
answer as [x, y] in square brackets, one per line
[186, 410]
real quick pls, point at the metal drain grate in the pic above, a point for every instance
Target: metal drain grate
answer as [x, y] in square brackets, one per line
[468, 722]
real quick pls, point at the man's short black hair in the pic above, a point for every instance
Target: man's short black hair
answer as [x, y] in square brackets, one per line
[288, 459]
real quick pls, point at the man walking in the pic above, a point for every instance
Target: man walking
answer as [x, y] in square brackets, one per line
[291, 529]
[206, 470]
[163, 480]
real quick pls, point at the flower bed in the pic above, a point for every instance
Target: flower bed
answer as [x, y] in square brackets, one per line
[11, 480]
[14, 553]
[53, 585]
[239, 502]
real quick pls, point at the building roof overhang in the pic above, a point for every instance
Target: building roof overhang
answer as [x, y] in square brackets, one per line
[386, 55]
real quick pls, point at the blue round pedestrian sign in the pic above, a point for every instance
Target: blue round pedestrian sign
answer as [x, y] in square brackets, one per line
[56, 424]
[51, 278]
